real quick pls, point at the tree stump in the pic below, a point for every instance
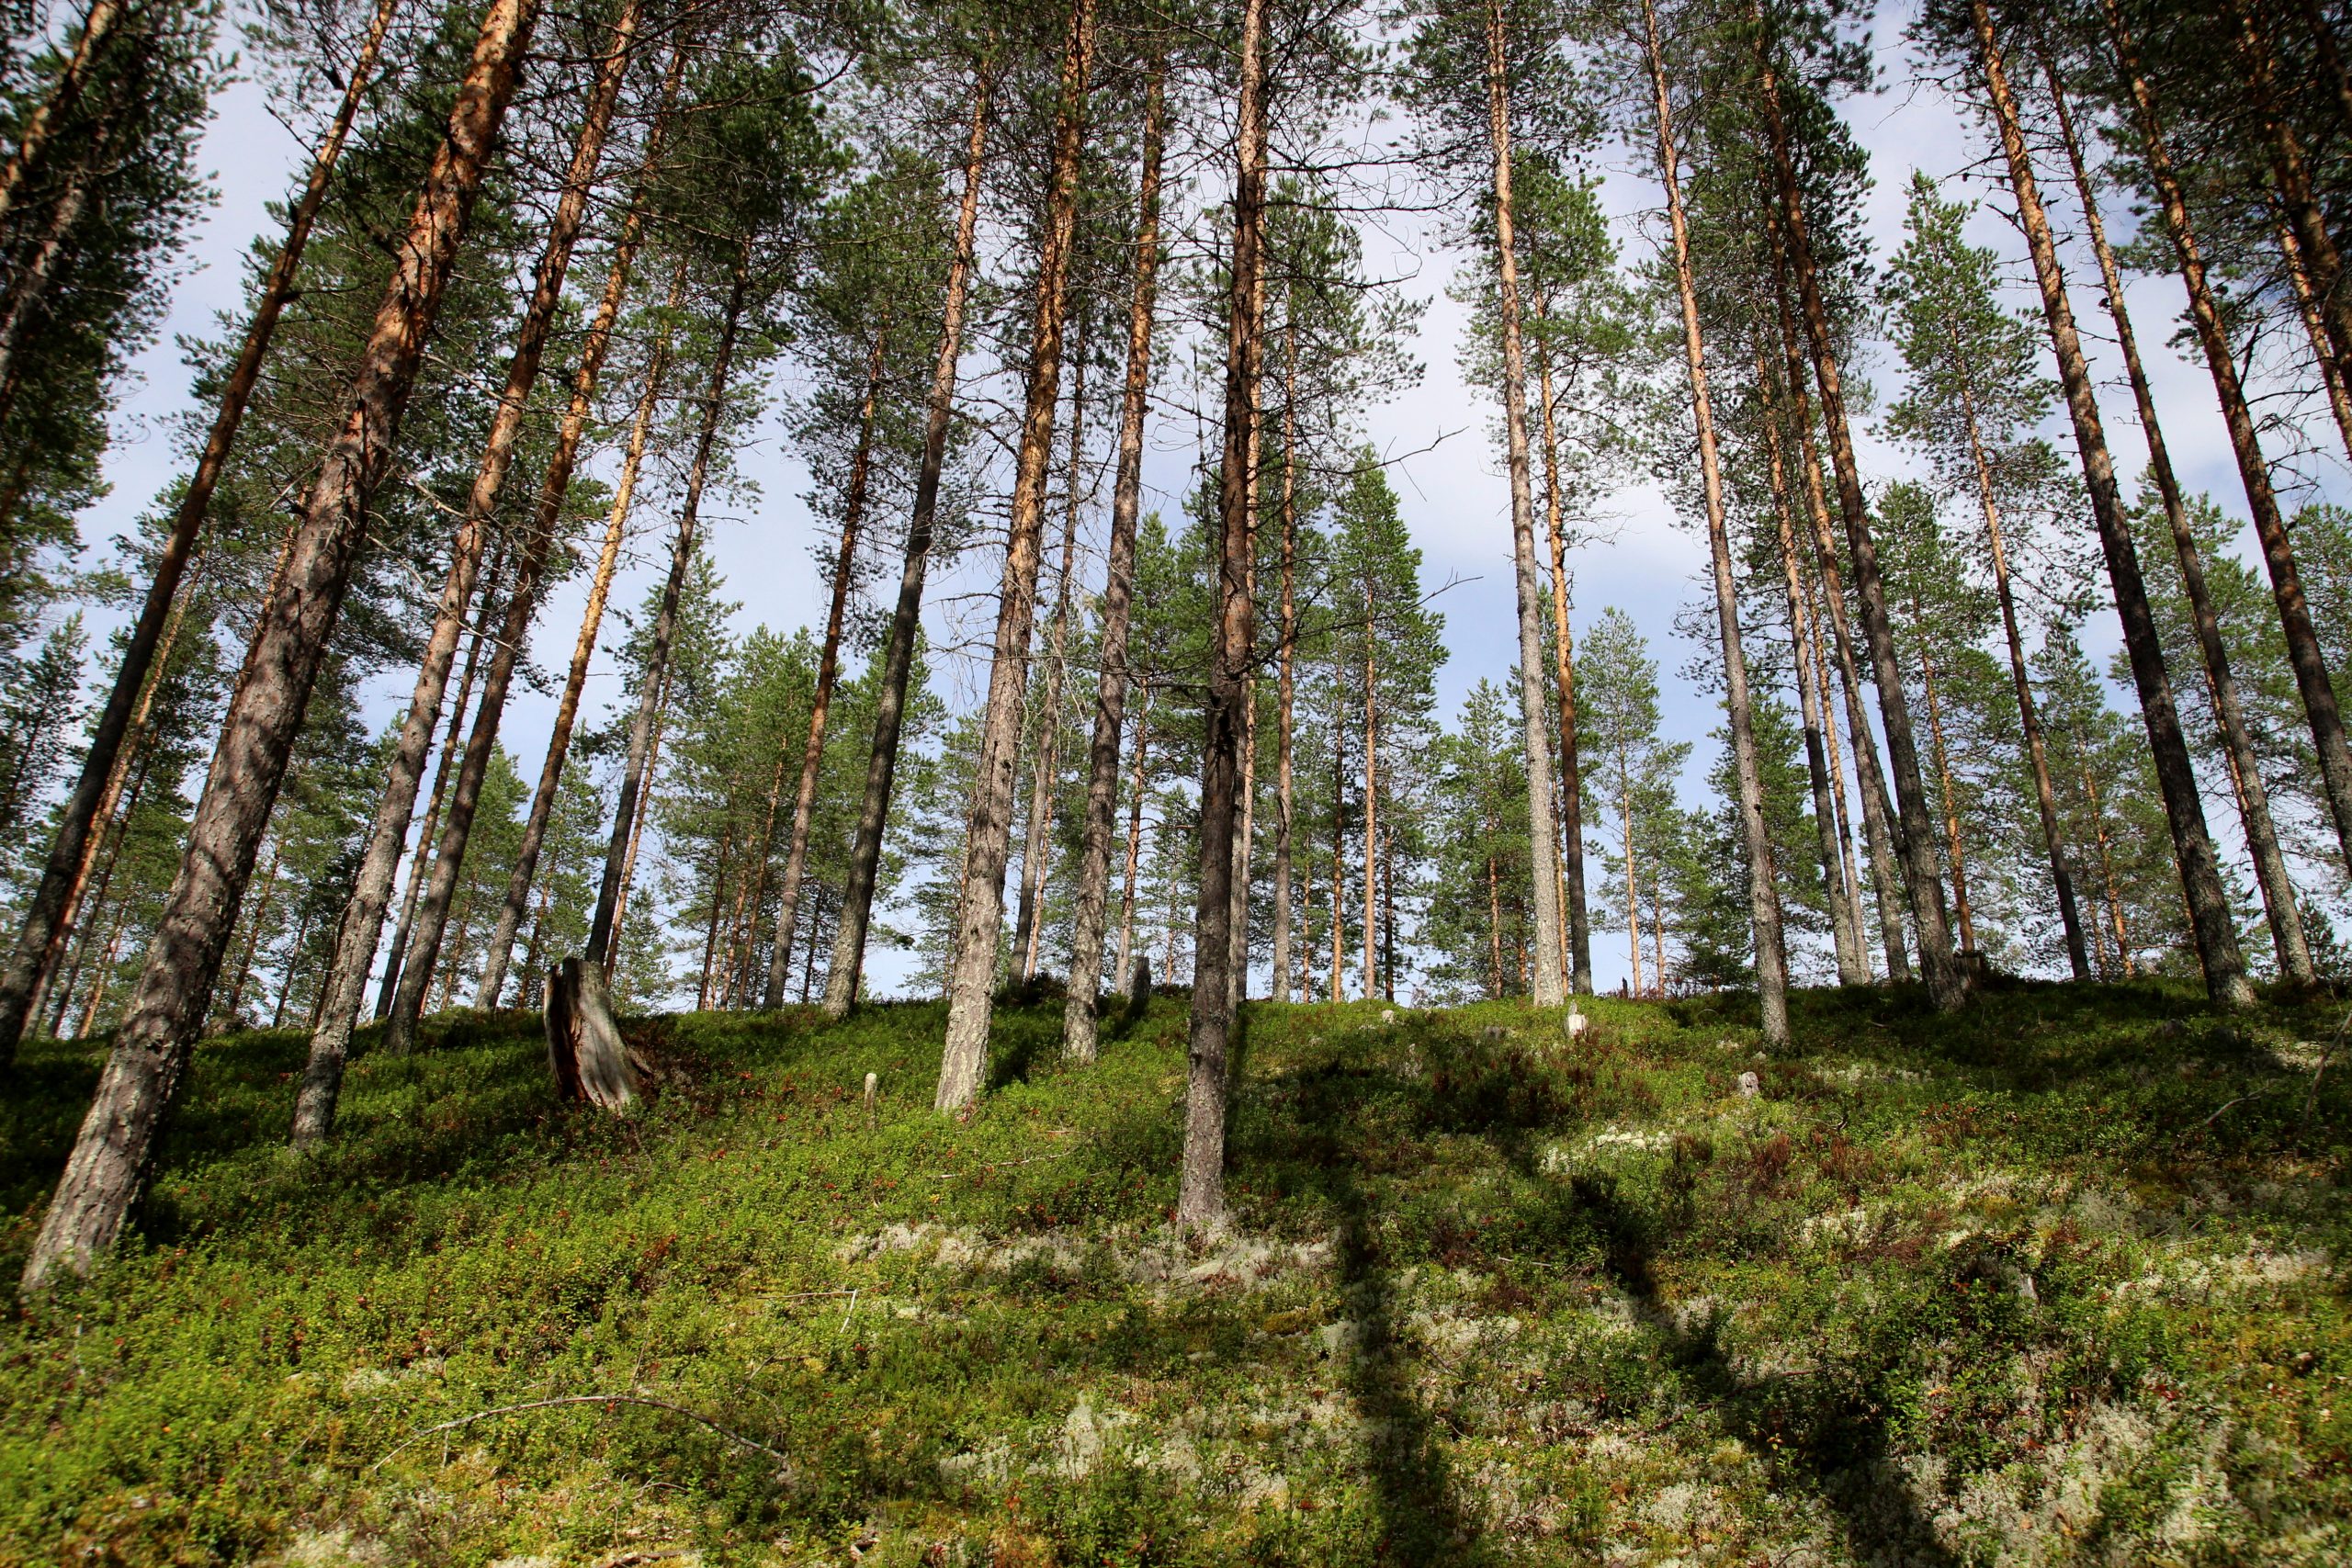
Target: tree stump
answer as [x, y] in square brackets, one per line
[584, 1046]
[1138, 986]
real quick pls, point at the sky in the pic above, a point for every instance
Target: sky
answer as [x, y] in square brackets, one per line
[1449, 473]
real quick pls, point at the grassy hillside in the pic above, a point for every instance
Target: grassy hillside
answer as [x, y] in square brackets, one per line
[2059, 1281]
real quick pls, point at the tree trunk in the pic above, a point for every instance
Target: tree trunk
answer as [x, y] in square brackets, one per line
[1081, 1006]
[2304, 652]
[592, 618]
[2211, 923]
[151, 1050]
[980, 904]
[2289, 168]
[1245, 842]
[1849, 874]
[1633, 881]
[98, 25]
[1371, 781]
[1579, 923]
[1135, 834]
[821, 701]
[252, 935]
[1339, 865]
[639, 811]
[134, 753]
[2045, 796]
[1764, 900]
[898, 660]
[1550, 986]
[1200, 1200]
[47, 921]
[2307, 305]
[1045, 770]
[364, 923]
[420, 864]
[1947, 986]
[1853, 963]
[638, 765]
[1286, 678]
[1955, 846]
[1887, 868]
[2279, 905]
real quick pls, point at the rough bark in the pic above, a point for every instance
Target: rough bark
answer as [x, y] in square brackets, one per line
[1563, 675]
[591, 619]
[897, 659]
[1037, 847]
[364, 921]
[47, 922]
[2290, 170]
[1286, 673]
[1081, 1009]
[2214, 932]
[971, 976]
[1853, 961]
[444, 768]
[109, 1159]
[1764, 901]
[1887, 868]
[1200, 1199]
[1947, 985]
[820, 700]
[2279, 905]
[584, 1047]
[1550, 986]
[2304, 652]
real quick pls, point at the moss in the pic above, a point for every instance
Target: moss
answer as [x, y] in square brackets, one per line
[2049, 1282]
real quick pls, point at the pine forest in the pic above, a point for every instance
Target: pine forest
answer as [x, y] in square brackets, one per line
[1139, 782]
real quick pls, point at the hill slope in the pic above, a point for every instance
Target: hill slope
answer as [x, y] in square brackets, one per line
[2056, 1282]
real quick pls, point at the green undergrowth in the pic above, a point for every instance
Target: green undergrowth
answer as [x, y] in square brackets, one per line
[2055, 1281]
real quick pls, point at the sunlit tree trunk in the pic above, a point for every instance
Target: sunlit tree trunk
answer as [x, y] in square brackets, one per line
[1046, 771]
[812, 754]
[48, 917]
[1564, 676]
[1550, 986]
[1887, 868]
[979, 920]
[1947, 986]
[620, 851]
[2214, 932]
[151, 1047]
[1200, 1200]
[2304, 652]
[363, 925]
[1853, 964]
[98, 25]
[2044, 794]
[1764, 900]
[898, 660]
[1285, 676]
[1083, 990]
[592, 618]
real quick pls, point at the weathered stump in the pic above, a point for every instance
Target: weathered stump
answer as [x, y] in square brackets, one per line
[1139, 986]
[584, 1046]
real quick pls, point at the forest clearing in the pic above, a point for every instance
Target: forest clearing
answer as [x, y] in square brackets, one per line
[2054, 1283]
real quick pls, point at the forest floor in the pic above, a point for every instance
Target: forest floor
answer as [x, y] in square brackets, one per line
[2061, 1279]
